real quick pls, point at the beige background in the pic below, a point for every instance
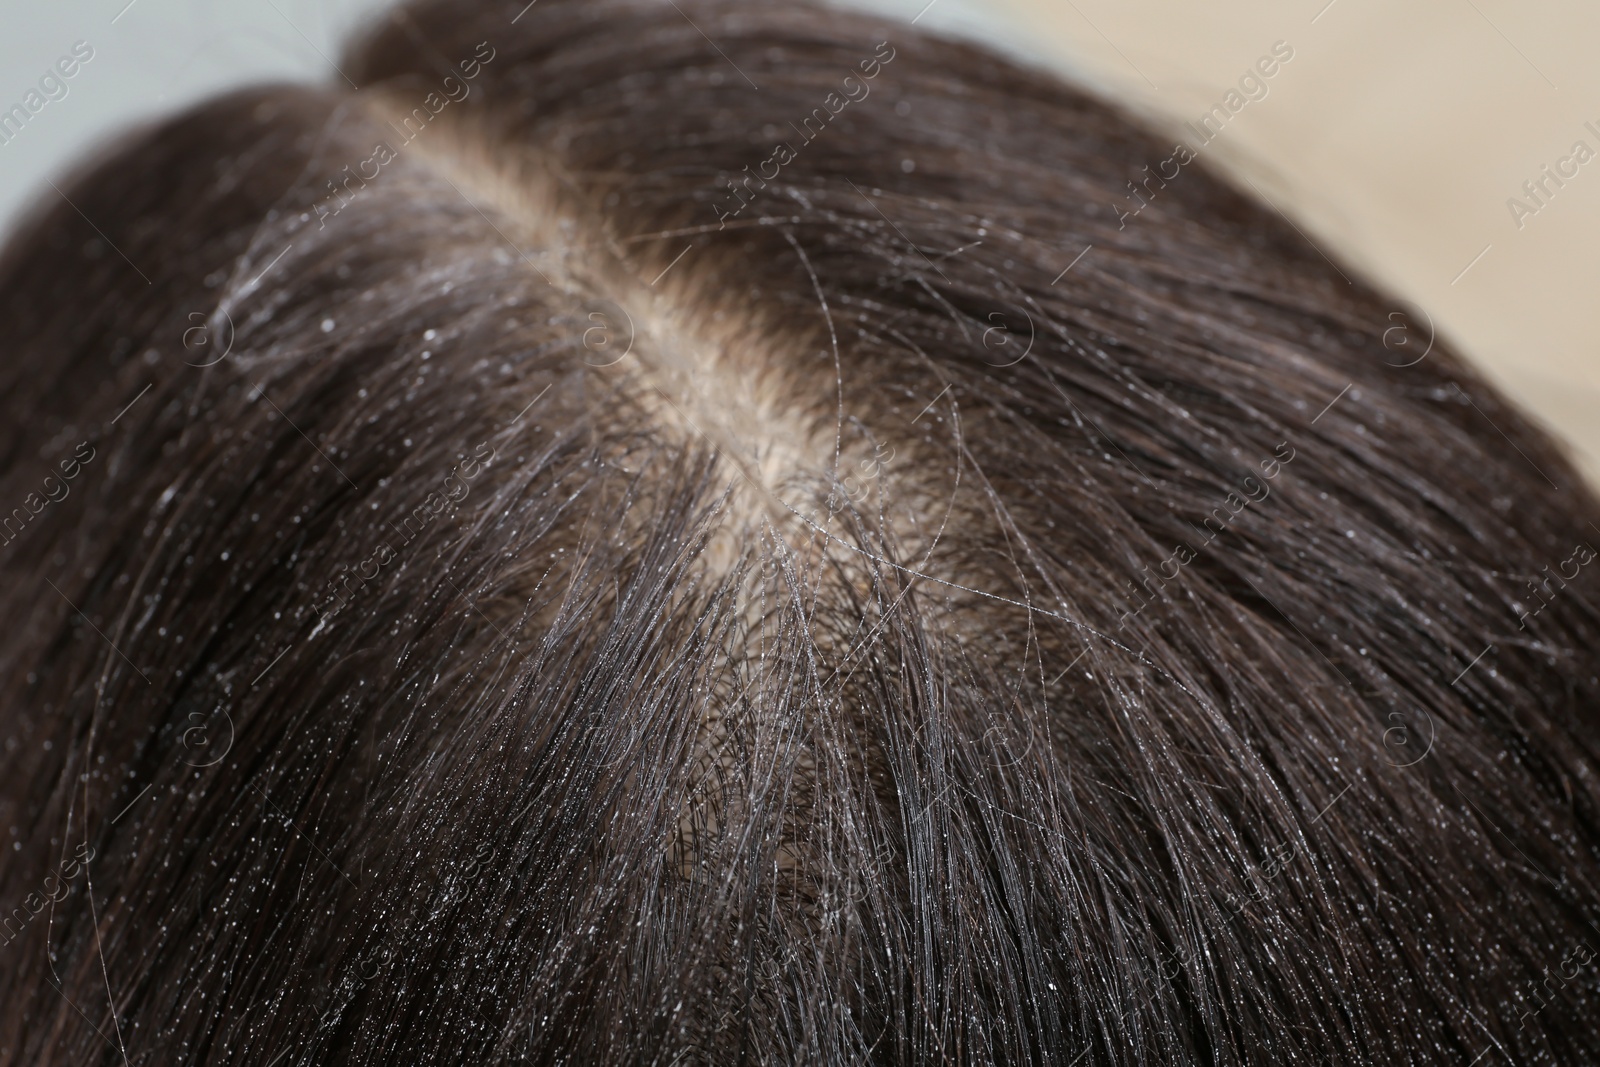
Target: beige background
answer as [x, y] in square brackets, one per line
[1393, 138]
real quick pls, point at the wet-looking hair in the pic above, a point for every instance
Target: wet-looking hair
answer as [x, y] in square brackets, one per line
[714, 533]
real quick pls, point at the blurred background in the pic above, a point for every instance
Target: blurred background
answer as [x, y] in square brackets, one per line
[1396, 138]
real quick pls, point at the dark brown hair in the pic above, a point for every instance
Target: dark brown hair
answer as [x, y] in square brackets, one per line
[700, 533]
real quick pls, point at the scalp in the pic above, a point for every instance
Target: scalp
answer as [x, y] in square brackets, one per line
[802, 667]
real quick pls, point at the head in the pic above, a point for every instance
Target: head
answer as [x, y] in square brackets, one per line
[652, 574]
